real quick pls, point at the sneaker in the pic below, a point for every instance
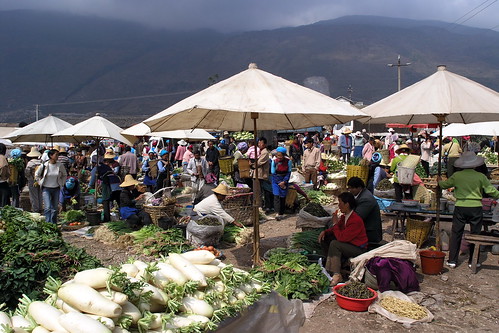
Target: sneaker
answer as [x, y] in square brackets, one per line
[279, 217]
[477, 265]
[451, 264]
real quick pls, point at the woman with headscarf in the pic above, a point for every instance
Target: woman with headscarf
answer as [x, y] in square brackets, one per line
[280, 169]
[150, 167]
[70, 194]
[164, 170]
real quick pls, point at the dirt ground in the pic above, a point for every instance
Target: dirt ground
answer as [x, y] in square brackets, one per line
[459, 300]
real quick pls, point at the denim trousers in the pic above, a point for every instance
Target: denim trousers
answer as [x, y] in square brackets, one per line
[51, 203]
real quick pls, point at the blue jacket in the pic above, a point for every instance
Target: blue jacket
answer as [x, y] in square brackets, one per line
[346, 148]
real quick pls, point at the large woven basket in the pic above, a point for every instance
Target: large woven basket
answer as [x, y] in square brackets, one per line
[157, 212]
[357, 171]
[226, 165]
[239, 206]
[239, 190]
[417, 231]
[243, 165]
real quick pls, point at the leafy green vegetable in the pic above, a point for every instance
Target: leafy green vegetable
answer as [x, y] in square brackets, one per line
[152, 240]
[307, 240]
[355, 289]
[231, 232]
[119, 227]
[316, 209]
[74, 216]
[319, 197]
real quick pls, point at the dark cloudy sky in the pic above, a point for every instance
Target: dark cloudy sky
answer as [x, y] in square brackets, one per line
[237, 15]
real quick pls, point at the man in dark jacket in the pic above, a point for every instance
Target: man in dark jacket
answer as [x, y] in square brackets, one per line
[367, 208]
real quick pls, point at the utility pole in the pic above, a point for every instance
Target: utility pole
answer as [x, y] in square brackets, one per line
[350, 91]
[398, 65]
[36, 111]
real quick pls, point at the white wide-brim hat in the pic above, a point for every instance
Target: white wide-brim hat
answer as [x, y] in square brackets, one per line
[469, 160]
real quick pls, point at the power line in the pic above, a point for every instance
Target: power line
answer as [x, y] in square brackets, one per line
[481, 10]
[122, 98]
[471, 11]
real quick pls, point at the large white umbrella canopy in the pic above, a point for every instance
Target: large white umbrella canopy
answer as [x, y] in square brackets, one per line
[142, 129]
[228, 105]
[95, 128]
[453, 130]
[39, 131]
[460, 99]
[487, 128]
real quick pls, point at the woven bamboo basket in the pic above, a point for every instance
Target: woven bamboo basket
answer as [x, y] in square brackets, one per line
[417, 231]
[226, 165]
[239, 207]
[67, 227]
[157, 212]
[357, 171]
[244, 167]
[340, 182]
[239, 190]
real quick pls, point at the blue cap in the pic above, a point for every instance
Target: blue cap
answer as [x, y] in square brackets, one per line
[70, 183]
[282, 150]
[163, 152]
[376, 158]
[15, 153]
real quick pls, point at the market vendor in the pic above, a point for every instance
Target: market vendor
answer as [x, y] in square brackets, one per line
[70, 194]
[135, 218]
[150, 167]
[242, 149]
[280, 169]
[378, 170]
[348, 236]
[469, 185]
[402, 152]
[212, 204]
[367, 208]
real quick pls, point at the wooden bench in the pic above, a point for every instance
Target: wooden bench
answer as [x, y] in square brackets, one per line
[478, 240]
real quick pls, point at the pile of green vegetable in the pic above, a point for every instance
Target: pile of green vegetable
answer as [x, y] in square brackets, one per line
[319, 197]
[307, 240]
[153, 241]
[315, 209]
[355, 289]
[420, 171]
[30, 251]
[334, 165]
[74, 216]
[489, 155]
[384, 185]
[291, 275]
[210, 221]
[244, 135]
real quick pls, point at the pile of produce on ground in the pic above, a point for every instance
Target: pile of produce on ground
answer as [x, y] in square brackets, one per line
[403, 308]
[319, 197]
[189, 292]
[384, 185]
[291, 275]
[238, 235]
[316, 209]
[30, 251]
[355, 289]
[307, 240]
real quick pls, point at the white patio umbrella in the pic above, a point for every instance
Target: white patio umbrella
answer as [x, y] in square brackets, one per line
[39, 131]
[487, 128]
[236, 103]
[452, 130]
[444, 96]
[142, 129]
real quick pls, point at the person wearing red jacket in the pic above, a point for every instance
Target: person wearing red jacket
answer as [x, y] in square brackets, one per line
[348, 234]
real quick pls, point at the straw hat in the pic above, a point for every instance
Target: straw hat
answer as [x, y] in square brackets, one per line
[221, 189]
[56, 147]
[34, 152]
[346, 130]
[109, 155]
[358, 133]
[469, 160]
[324, 156]
[129, 181]
[383, 163]
[401, 147]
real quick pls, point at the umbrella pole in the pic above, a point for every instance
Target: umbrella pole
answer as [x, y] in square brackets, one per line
[440, 119]
[256, 200]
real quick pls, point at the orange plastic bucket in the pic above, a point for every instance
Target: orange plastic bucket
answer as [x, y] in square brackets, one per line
[432, 262]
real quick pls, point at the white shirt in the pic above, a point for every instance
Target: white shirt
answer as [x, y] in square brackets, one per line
[211, 205]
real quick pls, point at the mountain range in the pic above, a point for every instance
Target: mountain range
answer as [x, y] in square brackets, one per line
[74, 66]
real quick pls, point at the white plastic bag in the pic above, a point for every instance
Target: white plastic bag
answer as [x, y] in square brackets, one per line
[307, 220]
[377, 308]
[207, 235]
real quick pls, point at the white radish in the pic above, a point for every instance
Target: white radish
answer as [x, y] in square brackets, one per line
[114, 296]
[76, 322]
[256, 286]
[181, 321]
[157, 294]
[141, 266]
[239, 293]
[5, 320]
[20, 322]
[40, 329]
[95, 278]
[201, 257]
[46, 315]
[215, 262]
[218, 286]
[129, 269]
[246, 288]
[89, 300]
[159, 280]
[65, 307]
[108, 322]
[198, 294]
[198, 318]
[196, 306]
[187, 269]
[120, 330]
[131, 310]
[208, 270]
[171, 273]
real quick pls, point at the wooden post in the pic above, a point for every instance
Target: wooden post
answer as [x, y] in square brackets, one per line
[256, 199]
[441, 119]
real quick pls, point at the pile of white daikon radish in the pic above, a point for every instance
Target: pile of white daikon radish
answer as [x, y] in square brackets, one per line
[188, 292]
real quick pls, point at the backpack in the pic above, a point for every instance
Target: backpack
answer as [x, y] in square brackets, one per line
[153, 169]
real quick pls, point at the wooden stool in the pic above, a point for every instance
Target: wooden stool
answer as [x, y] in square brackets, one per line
[478, 240]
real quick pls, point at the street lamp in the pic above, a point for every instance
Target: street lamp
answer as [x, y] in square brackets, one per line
[398, 65]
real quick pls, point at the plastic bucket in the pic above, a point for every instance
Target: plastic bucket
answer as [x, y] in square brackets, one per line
[353, 304]
[432, 262]
[93, 218]
[405, 175]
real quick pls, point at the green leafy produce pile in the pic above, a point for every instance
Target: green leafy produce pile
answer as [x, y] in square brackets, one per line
[119, 227]
[316, 209]
[231, 233]
[244, 135]
[434, 168]
[307, 240]
[291, 275]
[152, 240]
[74, 216]
[32, 251]
[355, 290]
[420, 171]
[489, 155]
[384, 185]
[210, 221]
[319, 197]
[334, 165]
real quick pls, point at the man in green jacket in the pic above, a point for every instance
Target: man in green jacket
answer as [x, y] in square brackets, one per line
[469, 186]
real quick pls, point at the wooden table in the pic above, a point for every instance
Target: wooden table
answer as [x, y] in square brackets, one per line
[478, 240]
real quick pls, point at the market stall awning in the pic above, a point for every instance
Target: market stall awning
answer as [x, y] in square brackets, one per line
[142, 129]
[39, 131]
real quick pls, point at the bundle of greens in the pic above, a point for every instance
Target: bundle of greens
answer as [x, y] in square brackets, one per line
[291, 275]
[316, 209]
[74, 215]
[152, 240]
[119, 227]
[384, 185]
[355, 290]
[319, 197]
[231, 233]
[307, 240]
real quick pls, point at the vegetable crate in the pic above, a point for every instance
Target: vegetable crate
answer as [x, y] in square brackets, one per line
[226, 165]
[239, 206]
[157, 212]
[357, 171]
[417, 231]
